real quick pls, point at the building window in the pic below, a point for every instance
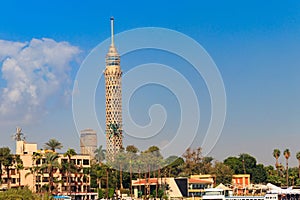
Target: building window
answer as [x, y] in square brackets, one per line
[12, 172]
[45, 179]
[86, 162]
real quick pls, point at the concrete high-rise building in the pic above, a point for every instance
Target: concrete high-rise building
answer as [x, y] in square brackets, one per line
[113, 95]
[88, 142]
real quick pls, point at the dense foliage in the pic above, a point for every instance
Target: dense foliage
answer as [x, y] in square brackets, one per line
[22, 193]
[131, 163]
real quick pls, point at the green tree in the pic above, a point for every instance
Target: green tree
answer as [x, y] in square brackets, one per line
[51, 163]
[272, 175]
[69, 154]
[206, 165]
[10, 160]
[246, 163]
[18, 194]
[293, 175]
[120, 162]
[97, 175]
[131, 152]
[35, 169]
[235, 164]
[153, 160]
[259, 174]
[4, 153]
[223, 173]
[287, 155]
[53, 144]
[132, 149]
[86, 173]
[298, 158]
[193, 158]
[173, 166]
[7, 162]
[100, 193]
[19, 167]
[276, 154]
[100, 154]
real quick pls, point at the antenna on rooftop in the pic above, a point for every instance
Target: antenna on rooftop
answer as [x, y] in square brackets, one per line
[19, 136]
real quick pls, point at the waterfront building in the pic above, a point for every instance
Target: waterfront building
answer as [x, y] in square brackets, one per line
[196, 185]
[175, 187]
[37, 180]
[241, 182]
[113, 101]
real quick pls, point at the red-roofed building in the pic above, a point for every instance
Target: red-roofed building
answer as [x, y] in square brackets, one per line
[151, 181]
[197, 184]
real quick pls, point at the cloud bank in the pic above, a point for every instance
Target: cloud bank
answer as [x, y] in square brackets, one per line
[35, 77]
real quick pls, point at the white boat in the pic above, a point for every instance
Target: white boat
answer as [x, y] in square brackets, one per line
[63, 197]
[220, 194]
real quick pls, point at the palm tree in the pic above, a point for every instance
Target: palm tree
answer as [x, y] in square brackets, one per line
[120, 160]
[53, 144]
[276, 154]
[36, 160]
[69, 154]
[138, 164]
[7, 161]
[100, 174]
[298, 157]
[4, 152]
[108, 170]
[100, 154]
[50, 164]
[85, 179]
[132, 154]
[32, 171]
[19, 167]
[287, 155]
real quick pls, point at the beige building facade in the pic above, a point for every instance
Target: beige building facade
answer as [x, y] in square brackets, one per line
[38, 180]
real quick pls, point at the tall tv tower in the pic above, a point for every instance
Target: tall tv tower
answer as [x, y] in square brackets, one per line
[113, 103]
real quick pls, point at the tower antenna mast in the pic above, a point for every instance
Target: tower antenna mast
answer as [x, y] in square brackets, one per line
[112, 30]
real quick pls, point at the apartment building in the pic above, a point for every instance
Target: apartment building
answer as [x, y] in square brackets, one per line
[37, 177]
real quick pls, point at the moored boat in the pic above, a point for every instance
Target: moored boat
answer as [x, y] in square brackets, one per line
[220, 194]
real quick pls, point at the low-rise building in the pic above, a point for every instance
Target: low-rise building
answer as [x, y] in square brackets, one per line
[197, 186]
[37, 177]
[240, 183]
[173, 187]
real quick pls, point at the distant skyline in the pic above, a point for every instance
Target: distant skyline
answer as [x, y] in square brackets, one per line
[254, 44]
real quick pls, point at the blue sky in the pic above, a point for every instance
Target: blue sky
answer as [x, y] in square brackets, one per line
[255, 45]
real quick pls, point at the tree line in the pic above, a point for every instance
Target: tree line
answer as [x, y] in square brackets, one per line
[131, 163]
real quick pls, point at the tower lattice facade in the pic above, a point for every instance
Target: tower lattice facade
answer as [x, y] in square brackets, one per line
[113, 103]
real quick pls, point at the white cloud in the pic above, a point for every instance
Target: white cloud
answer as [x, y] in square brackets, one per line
[36, 76]
[9, 48]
